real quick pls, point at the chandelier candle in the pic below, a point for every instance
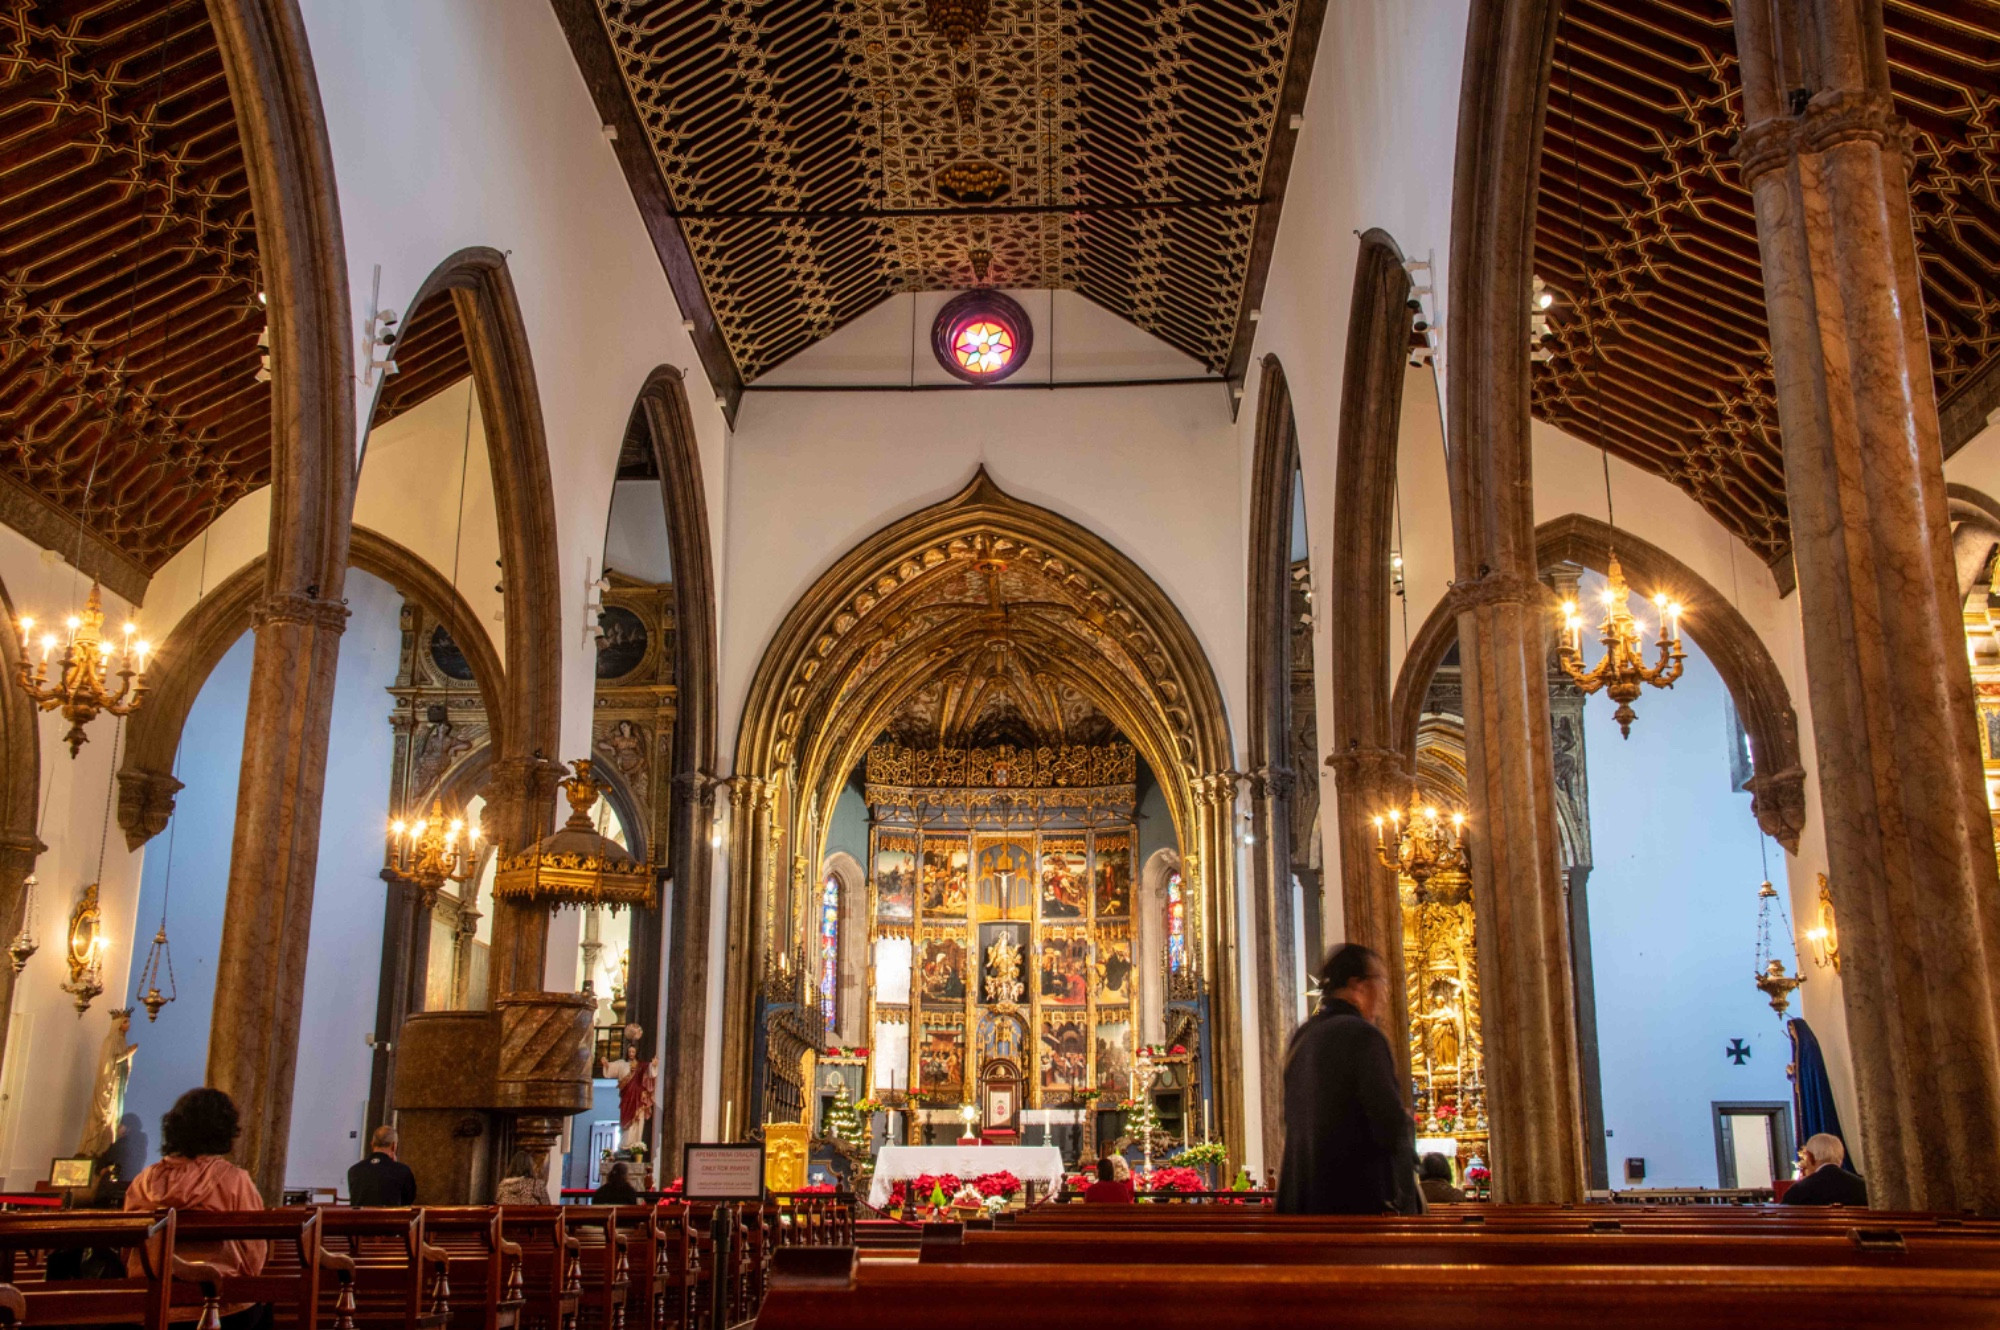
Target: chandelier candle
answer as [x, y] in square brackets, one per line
[1623, 672]
[81, 688]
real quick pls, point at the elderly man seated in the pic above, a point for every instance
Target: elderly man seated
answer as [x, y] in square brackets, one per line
[1822, 1180]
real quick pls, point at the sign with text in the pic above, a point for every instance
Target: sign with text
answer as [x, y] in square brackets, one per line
[722, 1172]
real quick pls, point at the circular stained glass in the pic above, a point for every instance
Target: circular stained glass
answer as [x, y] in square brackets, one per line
[982, 336]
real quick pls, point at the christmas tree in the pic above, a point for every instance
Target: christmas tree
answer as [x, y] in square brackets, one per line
[844, 1124]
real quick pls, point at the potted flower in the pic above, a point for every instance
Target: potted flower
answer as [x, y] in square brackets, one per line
[1479, 1177]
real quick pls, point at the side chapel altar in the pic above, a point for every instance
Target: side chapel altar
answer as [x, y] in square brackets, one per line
[900, 1163]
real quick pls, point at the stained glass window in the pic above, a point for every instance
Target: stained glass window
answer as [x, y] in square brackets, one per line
[1176, 926]
[983, 347]
[829, 955]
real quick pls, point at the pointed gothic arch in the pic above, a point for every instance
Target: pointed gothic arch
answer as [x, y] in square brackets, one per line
[1756, 685]
[197, 644]
[855, 644]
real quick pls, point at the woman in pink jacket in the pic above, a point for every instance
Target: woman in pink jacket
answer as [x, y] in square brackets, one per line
[194, 1173]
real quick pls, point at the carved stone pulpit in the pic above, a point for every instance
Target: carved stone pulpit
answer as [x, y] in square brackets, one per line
[473, 1086]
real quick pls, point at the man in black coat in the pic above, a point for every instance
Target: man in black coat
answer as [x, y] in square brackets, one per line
[380, 1179]
[1825, 1181]
[1350, 1142]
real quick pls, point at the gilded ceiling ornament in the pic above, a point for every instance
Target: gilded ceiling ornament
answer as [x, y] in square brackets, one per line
[957, 21]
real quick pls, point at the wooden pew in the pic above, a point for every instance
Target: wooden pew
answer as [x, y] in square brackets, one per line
[397, 1280]
[603, 1266]
[296, 1263]
[1858, 1247]
[146, 1241]
[482, 1266]
[551, 1278]
[1248, 1297]
[656, 1247]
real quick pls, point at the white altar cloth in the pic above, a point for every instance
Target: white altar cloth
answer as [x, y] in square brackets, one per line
[900, 1163]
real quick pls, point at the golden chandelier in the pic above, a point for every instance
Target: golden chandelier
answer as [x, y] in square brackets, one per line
[427, 853]
[1623, 672]
[1420, 851]
[1771, 979]
[81, 687]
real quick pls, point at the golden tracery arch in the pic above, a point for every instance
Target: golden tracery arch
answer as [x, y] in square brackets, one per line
[979, 585]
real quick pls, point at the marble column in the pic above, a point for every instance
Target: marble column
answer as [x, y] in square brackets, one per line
[1208, 871]
[750, 805]
[1908, 836]
[684, 1011]
[1368, 781]
[1277, 942]
[1520, 902]
[260, 972]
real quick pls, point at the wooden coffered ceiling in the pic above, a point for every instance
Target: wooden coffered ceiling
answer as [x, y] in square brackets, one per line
[800, 162]
[1644, 112]
[129, 312]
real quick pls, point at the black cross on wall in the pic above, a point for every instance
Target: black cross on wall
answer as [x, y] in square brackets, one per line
[1738, 1051]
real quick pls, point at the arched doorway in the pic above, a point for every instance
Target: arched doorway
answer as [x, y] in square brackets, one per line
[976, 623]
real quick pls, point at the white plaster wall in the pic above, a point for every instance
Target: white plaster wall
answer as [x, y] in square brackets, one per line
[812, 474]
[636, 541]
[51, 1055]
[426, 482]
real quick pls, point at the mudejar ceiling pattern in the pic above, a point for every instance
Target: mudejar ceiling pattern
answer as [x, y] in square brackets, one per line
[129, 310]
[1645, 105]
[822, 155]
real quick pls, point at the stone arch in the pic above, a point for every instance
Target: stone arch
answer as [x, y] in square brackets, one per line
[1369, 774]
[190, 653]
[1273, 778]
[1755, 684]
[853, 962]
[850, 649]
[680, 1022]
[260, 974]
[1975, 530]
[528, 723]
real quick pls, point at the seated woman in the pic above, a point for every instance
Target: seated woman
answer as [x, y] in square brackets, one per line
[1109, 1189]
[1434, 1177]
[194, 1173]
[617, 1188]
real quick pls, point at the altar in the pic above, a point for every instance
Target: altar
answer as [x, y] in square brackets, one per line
[900, 1163]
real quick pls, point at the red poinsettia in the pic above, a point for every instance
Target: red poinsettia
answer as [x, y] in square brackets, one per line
[1179, 1050]
[1002, 1184]
[1170, 1178]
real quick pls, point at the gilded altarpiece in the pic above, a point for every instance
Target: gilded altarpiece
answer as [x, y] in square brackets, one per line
[1000, 928]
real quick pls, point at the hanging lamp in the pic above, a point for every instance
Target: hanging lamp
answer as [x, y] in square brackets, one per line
[1622, 671]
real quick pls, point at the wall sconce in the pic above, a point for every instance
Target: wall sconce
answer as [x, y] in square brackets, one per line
[1825, 937]
[86, 951]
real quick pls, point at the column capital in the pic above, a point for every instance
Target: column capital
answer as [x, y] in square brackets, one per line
[1370, 772]
[1271, 782]
[312, 611]
[1218, 787]
[1833, 117]
[1495, 587]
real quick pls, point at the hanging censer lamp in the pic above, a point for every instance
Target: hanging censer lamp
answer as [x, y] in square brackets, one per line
[577, 865]
[1623, 672]
[1771, 978]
